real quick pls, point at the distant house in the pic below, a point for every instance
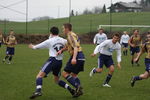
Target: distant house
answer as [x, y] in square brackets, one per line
[126, 7]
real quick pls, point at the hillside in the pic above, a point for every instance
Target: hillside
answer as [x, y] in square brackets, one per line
[84, 23]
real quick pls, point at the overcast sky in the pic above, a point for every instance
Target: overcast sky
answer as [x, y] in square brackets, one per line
[52, 8]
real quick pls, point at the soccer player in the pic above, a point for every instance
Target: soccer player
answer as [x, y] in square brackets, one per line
[54, 62]
[1, 38]
[106, 49]
[124, 42]
[135, 42]
[100, 37]
[10, 51]
[146, 74]
[76, 62]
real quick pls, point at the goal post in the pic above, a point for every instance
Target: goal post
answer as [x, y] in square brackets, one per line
[143, 28]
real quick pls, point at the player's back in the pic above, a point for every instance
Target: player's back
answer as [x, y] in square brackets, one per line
[56, 44]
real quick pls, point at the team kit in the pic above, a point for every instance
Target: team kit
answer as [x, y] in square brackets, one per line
[104, 47]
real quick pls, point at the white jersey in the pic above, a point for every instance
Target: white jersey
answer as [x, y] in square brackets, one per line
[124, 39]
[99, 38]
[54, 44]
[107, 47]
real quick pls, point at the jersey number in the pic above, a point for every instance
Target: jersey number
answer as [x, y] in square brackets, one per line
[58, 48]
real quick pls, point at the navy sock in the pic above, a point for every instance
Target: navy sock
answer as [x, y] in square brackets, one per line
[39, 84]
[72, 81]
[94, 71]
[77, 80]
[6, 57]
[136, 78]
[10, 58]
[108, 78]
[64, 85]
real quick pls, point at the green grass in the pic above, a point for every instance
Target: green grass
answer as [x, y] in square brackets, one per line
[84, 23]
[17, 81]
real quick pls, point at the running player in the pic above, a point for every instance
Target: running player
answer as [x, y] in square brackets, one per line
[106, 49]
[135, 42]
[124, 42]
[100, 37]
[53, 64]
[76, 62]
[10, 50]
[146, 74]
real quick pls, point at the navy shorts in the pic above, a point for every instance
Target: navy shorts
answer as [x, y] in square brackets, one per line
[134, 50]
[78, 67]
[10, 51]
[147, 64]
[52, 65]
[105, 60]
[125, 45]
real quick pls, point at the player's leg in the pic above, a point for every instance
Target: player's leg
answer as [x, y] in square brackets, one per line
[12, 52]
[7, 54]
[140, 77]
[100, 66]
[47, 67]
[109, 76]
[110, 65]
[39, 83]
[137, 53]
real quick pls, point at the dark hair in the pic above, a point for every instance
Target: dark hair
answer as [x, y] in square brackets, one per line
[117, 35]
[135, 30]
[54, 30]
[148, 33]
[68, 25]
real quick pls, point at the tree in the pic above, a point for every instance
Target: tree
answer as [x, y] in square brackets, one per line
[104, 9]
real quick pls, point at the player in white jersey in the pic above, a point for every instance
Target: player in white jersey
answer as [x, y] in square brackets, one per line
[100, 37]
[53, 64]
[106, 49]
[124, 42]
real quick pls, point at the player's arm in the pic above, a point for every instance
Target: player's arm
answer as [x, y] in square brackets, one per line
[140, 54]
[95, 39]
[42, 45]
[119, 57]
[7, 41]
[63, 49]
[98, 47]
[129, 42]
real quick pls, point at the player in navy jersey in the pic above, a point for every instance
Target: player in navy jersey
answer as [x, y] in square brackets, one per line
[145, 49]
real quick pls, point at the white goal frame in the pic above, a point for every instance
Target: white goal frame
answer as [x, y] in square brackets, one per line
[125, 26]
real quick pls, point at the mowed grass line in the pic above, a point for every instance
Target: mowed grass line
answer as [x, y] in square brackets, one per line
[83, 24]
[17, 81]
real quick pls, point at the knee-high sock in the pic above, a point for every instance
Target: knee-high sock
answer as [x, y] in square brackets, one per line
[108, 78]
[39, 82]
[10, 58]
[72, 81]
[64, 85]
[137, 78]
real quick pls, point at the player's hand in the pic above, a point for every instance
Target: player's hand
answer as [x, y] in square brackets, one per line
[92, 55]
[73, 61]
[31, 46]
[119, 66]
[59, 52]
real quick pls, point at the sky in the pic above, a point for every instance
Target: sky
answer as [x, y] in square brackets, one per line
[51, 8]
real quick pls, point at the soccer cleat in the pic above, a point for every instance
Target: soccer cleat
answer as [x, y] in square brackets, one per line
[78, 92]
[91, 73]
[8, 62]
[106, 85]
[132, 82]
[72, 91]
[35, 94]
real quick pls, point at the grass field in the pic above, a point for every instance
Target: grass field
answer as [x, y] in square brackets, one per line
[17, 81]
[83, 23]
